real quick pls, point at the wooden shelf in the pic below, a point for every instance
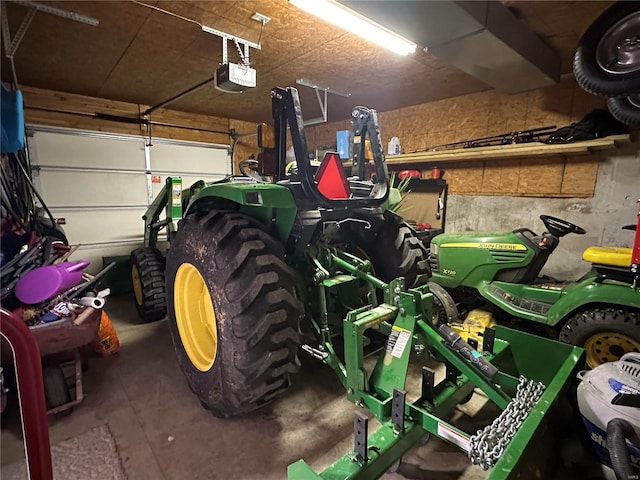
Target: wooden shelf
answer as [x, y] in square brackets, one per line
[504, 152]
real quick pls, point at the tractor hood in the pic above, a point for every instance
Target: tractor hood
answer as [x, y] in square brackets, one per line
[484, 240]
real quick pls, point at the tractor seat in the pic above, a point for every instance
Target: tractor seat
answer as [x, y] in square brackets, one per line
[608, 256]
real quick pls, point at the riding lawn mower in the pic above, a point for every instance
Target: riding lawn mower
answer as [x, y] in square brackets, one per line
[310, 260]
[479, 278]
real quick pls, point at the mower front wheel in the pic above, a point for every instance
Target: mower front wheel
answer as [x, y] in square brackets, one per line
[147, 279]
[233, 313]
[605, 333]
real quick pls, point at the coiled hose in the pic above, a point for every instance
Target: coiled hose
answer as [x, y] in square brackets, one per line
[618, 430]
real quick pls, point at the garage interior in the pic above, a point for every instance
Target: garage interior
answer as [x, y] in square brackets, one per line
[118, 97]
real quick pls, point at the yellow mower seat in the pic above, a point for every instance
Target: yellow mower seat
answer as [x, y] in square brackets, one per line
[610, 256]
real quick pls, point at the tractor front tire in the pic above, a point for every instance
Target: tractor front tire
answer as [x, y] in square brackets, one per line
[233, 312]
[605, 333]
[147, 278]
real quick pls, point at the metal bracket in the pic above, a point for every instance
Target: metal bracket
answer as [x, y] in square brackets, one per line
[452, 373]
[360, 435]
[397, 408]
[11, 46]
[428, 384]
[323, 105]
[236, 40]
[488, 340]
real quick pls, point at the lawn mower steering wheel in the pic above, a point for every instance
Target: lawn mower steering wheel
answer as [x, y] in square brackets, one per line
[559, 228]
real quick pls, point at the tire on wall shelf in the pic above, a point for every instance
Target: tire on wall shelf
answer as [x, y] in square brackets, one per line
[606, 60]
[606, 333]
[147, 278]
[625, 109]
[233, 312]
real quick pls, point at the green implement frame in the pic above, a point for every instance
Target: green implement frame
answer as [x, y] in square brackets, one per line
[405, 317]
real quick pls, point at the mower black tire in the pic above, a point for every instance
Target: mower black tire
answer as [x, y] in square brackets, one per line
[601, 45]
[625, 109]
[225, 264]
[56, 391]
[606, 333]
[147, 278]
[396, 252]
[444, 307]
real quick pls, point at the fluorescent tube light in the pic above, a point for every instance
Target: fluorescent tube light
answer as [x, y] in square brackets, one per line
[353, 22]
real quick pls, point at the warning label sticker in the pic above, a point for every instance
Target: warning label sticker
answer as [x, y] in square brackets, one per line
[401, 339]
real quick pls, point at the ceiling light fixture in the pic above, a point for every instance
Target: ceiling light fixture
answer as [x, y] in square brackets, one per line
[353, 22]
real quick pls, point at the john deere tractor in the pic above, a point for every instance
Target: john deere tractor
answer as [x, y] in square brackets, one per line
[308, 259]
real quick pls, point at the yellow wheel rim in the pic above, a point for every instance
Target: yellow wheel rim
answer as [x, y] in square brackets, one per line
[195, 317]
[137, 284]
[608, 347]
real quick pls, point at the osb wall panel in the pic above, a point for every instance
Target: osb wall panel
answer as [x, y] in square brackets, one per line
[491, 113]
[35, 97]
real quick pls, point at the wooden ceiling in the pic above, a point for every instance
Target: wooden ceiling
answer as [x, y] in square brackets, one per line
[141, 55]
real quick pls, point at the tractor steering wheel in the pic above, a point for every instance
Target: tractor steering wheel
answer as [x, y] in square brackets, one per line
[249, 168]
[559, 228]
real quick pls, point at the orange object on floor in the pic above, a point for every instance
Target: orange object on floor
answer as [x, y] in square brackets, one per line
[106, 342]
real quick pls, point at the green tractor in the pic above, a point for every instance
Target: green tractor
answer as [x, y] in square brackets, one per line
[600, 311]
[281, 261]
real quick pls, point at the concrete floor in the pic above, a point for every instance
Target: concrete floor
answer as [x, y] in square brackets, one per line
[162, 432]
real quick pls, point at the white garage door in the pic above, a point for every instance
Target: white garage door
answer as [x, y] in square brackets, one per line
[101, 183]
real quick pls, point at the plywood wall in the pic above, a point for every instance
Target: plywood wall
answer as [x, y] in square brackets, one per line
[491, 113]
[47, 99]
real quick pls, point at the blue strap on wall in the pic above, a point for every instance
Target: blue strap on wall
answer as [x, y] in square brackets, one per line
[11, 121]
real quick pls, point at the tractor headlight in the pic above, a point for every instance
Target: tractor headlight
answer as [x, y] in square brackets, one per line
[433, 248]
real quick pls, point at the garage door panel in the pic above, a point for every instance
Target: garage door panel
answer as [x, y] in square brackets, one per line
[100, 225]
[84, 151]
[95, 254]
[89, 188]
[170, 159]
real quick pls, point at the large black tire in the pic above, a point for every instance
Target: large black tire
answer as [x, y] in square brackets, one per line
[56, 391]
[223, 264]
[606, 333]
[625, 109]
[147, 279]
[396, 252]
[608, 38]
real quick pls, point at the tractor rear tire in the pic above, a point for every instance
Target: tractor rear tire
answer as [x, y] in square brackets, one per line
[233, 312]
[605, 333]
[397, 252]
[147, 277]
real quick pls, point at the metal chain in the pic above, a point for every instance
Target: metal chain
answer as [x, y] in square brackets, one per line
[488, 444]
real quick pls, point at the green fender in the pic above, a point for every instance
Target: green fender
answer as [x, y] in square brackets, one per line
[269, 203]
[564, 301]
[586, 291]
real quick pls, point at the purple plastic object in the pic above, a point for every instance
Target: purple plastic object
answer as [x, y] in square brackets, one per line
[46, 282]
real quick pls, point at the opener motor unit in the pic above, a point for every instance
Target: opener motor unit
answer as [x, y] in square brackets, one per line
[232, 77]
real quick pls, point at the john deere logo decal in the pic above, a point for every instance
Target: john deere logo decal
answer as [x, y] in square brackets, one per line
[487, 246]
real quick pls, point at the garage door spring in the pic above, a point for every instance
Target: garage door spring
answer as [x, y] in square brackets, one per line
[488, 444]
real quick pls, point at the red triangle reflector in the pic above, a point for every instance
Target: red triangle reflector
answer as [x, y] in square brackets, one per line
[331, 179]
